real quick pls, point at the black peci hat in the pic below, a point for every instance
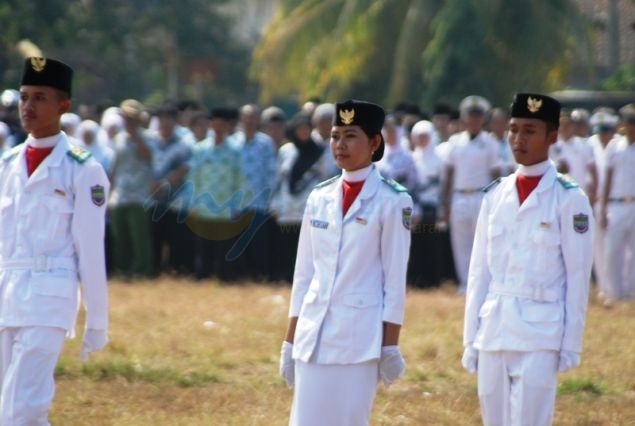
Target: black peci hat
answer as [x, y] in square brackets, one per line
[533, 105]
[47, 72]
[370, 117]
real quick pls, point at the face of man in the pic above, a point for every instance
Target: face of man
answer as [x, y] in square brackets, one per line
[474, 122]
[529, 140]
[40, 110]
[166, 126]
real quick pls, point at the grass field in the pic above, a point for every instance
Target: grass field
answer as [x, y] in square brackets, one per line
[186, 353]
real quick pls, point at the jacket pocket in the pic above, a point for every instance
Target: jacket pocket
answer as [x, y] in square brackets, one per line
[360, 300]
[547, 249]
[53, 286]
[541, 312]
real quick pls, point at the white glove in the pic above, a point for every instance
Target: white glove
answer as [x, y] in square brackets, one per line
[391, 364]
[568, 360]
[94, 340]
[470, 359]
[287, 364]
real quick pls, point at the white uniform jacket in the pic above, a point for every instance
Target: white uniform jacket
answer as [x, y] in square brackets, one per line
[350, 273]
[529, 273]
[52, 235]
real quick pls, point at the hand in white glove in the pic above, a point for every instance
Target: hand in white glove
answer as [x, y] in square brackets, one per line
[94, 340]
[287, 364]
[391, 364]
[568, 360]
[470, 359]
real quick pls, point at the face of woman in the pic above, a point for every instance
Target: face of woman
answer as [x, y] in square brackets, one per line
[351, 147]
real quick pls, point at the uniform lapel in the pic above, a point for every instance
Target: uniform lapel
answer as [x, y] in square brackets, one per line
[368, 190]
[545, 183]
[52, 160]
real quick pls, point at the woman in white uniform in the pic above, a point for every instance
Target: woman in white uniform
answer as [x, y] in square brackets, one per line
[349, 285]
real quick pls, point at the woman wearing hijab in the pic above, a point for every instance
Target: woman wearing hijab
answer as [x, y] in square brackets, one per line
[302, 164]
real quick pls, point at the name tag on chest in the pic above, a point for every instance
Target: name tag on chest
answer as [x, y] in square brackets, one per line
[320, 224]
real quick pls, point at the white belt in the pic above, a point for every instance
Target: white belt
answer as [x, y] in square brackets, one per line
[39, 263]
[536, 293]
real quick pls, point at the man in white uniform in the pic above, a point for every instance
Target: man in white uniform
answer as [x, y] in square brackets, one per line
[604, 123]
[617, 211]
[574, 156]
[53, 197]
[529, 276]
[472, 162]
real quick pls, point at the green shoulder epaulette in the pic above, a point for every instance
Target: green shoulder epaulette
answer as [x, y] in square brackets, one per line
[8, 155]
[327, 182]
[567, 181]
[396, 186]
[79, 154]
[492, 184]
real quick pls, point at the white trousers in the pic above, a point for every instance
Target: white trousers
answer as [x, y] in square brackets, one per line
[517, 388]
[598, 254]
[463, 217]
[333, 395]
[28, 356]
[619, 244]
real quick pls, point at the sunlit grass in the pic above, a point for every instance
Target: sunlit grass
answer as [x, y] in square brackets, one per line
[185, 353]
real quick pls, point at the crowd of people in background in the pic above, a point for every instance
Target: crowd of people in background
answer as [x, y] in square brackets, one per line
[220, 192]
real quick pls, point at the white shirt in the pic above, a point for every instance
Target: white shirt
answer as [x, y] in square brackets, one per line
[473, 160]
[621, 160]
[577, 154]
[429, 168]
[55, 239]
[350, 273]
[530, 268]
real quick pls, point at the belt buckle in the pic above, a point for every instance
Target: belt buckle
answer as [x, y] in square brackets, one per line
[41, 263]
[539, 294]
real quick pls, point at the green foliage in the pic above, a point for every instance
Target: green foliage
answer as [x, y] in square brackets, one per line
[134, 371]
[581, 386]
[419, 50]
[122, 48]
[623, 79]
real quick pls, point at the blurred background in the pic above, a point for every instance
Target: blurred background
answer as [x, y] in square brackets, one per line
[286, 51]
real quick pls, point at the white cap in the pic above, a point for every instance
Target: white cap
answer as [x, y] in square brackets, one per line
[604, 118]
[474, 103]
[10, 98]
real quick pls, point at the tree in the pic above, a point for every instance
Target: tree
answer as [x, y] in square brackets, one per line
[420, 50]
[147, 49]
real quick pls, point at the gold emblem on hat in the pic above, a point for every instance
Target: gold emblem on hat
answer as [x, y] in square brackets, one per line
[38, 64]
[347, 116]
[534, 105]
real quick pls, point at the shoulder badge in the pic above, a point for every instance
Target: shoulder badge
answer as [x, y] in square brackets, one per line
[327, 182]
[396, 186]
[567, 181]
[11, 153]
[492, 184]
[79, 154]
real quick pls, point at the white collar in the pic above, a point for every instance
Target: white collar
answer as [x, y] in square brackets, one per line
[537, 169]
[357, 175]
[47, 142]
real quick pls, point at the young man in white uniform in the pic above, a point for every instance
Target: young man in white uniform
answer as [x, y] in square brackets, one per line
[53, 202]
[472, 162]
[529, 276]
[617, 211]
